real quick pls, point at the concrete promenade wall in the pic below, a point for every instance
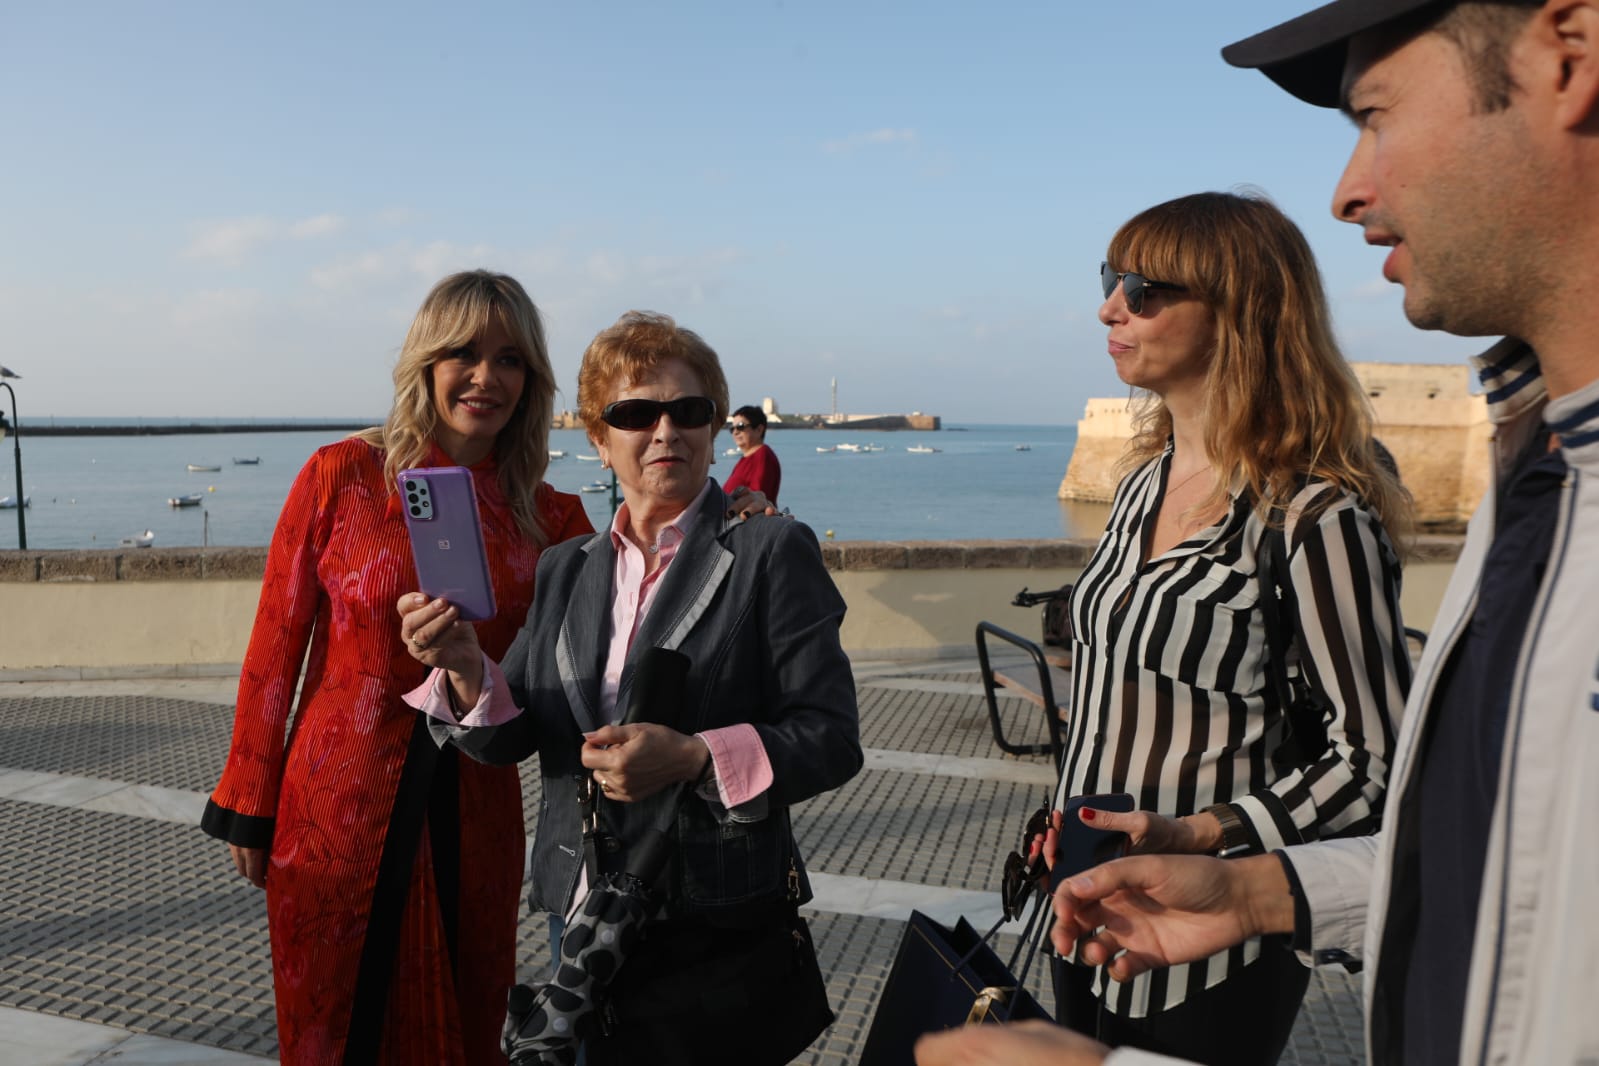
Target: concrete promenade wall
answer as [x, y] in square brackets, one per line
[174, 612]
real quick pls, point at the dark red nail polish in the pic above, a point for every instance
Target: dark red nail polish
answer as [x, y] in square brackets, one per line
[1089, 814]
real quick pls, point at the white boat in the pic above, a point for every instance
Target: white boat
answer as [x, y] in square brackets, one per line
[1024, 447]
[191, 500]
[244, 462]
[596, 486]
[588, 458]
[556, 453]
[829, 448]
[921, 449]
[848, 447]
[9, 503]
[872, 448]
[138, 540]
[731, 451]
[196, 468]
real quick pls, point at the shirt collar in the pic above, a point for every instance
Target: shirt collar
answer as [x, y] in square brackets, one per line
[671, 534]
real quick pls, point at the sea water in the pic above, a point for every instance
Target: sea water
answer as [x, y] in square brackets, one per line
[90, 492]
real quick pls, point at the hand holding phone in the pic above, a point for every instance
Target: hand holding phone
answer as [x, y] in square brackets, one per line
[447, 538]
[1080, 846]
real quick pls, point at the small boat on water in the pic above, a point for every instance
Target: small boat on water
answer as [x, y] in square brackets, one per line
[588, 458]
[197, 468]
[921, 449]
[596, 486]
[191, 500]
[848, 447]
[730, 451]
[9, 503]
[1024, 447]
[138, 540]
[556, 453]
[243, 462]
[826, 450]
[872, 448]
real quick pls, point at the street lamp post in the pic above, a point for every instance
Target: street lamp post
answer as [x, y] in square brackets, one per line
[16, 439]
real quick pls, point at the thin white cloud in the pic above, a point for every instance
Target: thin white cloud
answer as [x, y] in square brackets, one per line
[230, 239]
[316, 226]
[865, 140]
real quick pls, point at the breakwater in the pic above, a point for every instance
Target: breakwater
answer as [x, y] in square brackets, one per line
[175, 429]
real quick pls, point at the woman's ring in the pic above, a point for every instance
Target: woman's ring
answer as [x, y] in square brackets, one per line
[605, 786]
[418, 643]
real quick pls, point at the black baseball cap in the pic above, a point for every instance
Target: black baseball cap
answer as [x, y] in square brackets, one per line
[1306, 55]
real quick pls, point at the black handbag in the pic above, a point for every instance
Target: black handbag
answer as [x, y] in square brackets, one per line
[945, 977]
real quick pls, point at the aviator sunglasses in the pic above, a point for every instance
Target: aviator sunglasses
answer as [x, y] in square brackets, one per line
[1133, 286]
[688, 412]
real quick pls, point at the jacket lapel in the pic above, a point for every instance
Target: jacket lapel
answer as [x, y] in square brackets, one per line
[579, 647]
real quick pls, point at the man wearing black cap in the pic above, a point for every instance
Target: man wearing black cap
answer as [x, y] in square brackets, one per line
[1477, 165]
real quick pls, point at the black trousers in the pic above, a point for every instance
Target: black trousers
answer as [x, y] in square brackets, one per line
[1244, 1021]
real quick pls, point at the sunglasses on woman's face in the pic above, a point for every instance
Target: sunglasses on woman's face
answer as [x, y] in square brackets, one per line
[688, 412]
[740, 427]
[1133, 286]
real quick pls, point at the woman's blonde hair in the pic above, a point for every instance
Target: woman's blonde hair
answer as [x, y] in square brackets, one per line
[633, 348]
[456, 311]
[1280, 401]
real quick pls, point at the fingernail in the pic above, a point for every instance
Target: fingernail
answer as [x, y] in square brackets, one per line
[1089, 814]
[1079, 884]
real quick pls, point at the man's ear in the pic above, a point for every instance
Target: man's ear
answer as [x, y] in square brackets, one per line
[1571, 28]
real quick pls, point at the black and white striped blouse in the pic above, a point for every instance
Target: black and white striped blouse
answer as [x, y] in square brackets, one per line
[1171, 699]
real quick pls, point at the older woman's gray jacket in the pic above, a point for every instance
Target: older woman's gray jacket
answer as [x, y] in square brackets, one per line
[756, 612]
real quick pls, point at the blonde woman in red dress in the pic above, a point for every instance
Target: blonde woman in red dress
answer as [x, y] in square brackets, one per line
[392, 868]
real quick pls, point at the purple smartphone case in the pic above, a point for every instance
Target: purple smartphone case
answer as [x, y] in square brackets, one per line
[1081, 846]
[447, 546]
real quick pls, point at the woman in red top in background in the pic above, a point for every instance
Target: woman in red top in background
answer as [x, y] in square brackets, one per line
[392, 868]
[757, 469]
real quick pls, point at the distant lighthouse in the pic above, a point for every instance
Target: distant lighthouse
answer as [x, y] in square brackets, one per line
[835, 397]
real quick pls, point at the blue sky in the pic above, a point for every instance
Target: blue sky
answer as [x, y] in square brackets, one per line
[229, 210]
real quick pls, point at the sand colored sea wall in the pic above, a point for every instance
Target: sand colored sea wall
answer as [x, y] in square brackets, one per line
[187, 612]
[1426, 415]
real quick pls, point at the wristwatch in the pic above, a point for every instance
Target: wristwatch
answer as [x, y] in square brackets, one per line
[1234, 834]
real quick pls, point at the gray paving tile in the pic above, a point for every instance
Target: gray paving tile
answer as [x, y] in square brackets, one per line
[141, 923]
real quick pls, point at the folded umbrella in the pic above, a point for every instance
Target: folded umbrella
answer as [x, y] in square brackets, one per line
[545, 1024]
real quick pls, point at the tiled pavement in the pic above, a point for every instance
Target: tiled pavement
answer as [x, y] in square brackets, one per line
[125, 936]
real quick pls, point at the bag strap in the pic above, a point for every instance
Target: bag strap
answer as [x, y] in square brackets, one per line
[1302, 717]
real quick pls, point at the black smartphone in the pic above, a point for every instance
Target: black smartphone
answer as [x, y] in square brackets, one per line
[1081, 846]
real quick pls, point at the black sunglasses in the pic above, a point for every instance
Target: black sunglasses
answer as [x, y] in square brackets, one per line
[1133, 286]
[741, 427]
[688, 412]
[1019, 878]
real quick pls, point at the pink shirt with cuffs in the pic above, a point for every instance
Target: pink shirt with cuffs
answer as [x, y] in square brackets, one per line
[740, 769]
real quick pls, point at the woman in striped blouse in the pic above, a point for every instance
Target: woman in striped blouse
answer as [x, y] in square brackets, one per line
[1246, 406]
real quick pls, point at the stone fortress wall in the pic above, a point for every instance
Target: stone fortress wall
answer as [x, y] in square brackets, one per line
[1426, 415]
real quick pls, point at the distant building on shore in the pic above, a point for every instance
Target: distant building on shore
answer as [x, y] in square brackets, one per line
[775, 419]
[1426, 415]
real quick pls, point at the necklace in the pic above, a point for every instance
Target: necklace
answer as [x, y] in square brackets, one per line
[1172, 489]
